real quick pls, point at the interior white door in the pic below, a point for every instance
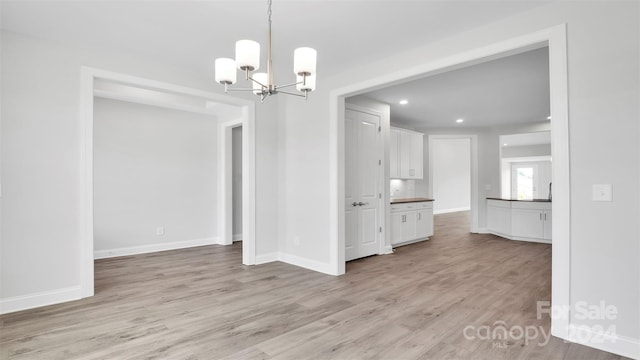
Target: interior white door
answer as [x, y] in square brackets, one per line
[363, 164]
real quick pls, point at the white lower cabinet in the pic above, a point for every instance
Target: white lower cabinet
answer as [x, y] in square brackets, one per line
[499, 217]
[546, 233]
[520, 220]
[411, 222]
[424, 223]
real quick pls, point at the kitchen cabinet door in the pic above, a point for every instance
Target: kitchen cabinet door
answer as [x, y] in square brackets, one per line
[405, 155]
[397, 221]
[547, 218]
[394, 154]
[416, 156]
[424, 223]
[527, 223]
[409, 226]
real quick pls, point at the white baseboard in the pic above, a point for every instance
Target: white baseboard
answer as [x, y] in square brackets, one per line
[483, 231]
[387, 250]
[617, 344]
[296, 261]
[44, 298]
[307, 263]
[445, 211]
[237, 237]
[267, 258]
[143, 249]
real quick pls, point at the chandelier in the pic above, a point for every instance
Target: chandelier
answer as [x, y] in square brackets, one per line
[248, 60]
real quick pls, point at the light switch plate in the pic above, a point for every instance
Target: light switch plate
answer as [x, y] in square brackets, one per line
[602, 192]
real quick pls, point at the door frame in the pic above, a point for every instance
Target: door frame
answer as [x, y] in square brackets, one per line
[383, 218]
[556, 39]
[473, 157]
[88, 76]
[225, 186]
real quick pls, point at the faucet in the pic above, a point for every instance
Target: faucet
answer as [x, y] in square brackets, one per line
[550, 191]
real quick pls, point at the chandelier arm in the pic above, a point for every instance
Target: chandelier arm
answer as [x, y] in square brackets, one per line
[294, 94]
[238, 89]
[264, 96]
[288, 85]
[258, 82]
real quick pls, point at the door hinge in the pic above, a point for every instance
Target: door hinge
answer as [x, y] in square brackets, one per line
[379, 128]
[379, 196]
[380, 228]
[379, 162]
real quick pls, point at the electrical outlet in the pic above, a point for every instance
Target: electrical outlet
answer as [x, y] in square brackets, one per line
[601, 192]
[160, 231]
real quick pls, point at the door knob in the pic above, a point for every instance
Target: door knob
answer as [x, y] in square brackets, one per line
[361, 203]
[354, 204]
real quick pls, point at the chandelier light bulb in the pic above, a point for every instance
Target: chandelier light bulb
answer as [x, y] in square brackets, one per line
[226, 71]
[259, 80]
[247, 55]
[304, 61]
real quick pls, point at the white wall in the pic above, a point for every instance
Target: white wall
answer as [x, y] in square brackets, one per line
[451, 175]
[41, 168]
[153, 167]
[236, 148]
[603, 106]
[526, 150]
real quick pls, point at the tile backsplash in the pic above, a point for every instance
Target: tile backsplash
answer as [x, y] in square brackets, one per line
[399, 189]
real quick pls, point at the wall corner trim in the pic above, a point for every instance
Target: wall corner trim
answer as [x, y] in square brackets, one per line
[314, 265]
[267, 258]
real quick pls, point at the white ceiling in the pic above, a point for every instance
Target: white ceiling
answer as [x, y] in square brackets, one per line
[510, 90]
[195, 33]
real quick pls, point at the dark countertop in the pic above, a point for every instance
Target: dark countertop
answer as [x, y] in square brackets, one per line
[409, 200]
[532, 200]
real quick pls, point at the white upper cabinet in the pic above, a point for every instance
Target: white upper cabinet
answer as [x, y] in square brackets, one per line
[394, 154]
[405, 154]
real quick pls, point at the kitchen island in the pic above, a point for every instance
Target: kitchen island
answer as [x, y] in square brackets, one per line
[523, 220]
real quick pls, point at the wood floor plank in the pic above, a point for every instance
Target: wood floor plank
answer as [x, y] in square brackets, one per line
[202, 303]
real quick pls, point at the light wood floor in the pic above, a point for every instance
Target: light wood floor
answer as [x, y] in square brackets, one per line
[200, 303]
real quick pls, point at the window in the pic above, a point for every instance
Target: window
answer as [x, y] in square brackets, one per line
[524, 180]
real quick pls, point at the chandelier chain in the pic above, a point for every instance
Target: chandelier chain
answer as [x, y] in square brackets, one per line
[269, 14]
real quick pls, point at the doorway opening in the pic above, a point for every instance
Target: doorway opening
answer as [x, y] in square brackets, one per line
[236, 155]
[453, 175]
[555, 39]
[122, 87]
[154, 176]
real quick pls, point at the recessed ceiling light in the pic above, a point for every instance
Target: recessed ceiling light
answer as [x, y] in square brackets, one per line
[459, 121]
[403, 102]
[505, 144]
[549, 117]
